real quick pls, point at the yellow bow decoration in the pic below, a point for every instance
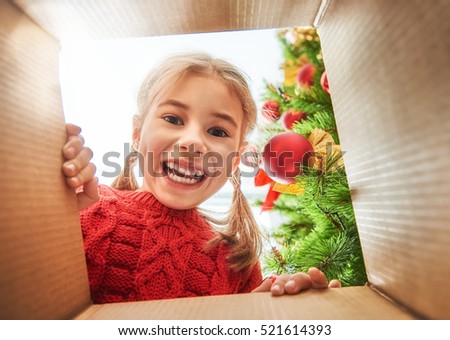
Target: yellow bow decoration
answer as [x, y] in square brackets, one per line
[294, 189]
[325, 148]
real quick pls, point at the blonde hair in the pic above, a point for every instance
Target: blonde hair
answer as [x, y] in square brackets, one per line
[239, 229]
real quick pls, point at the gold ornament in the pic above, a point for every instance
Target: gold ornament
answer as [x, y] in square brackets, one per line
[294, 189]
[325, 149]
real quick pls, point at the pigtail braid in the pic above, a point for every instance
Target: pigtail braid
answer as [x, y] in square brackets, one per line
[126, 179]
[242, 231]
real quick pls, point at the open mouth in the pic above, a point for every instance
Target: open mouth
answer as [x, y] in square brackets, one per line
[180, 174]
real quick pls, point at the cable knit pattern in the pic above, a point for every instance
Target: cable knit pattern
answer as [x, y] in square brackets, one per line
[139, 249]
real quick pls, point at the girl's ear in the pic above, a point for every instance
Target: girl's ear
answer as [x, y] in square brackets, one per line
[136, 138]
[137, 123]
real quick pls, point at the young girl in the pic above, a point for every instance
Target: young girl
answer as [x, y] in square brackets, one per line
[151, 242]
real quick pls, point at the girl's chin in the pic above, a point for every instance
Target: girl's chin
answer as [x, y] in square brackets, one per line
[178, 202]
[180, 196]
[179, 207]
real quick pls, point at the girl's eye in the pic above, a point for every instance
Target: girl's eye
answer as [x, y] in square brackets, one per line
[173, 120]
[218, 132]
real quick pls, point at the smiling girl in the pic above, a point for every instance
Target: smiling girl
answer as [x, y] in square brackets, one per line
[151, 242]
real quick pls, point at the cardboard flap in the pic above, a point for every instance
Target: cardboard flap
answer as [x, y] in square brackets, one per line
[388, 65]
[138, 18]
[42, 266]
[329, 304]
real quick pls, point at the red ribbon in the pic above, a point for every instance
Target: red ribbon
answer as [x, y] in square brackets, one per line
[261, 179]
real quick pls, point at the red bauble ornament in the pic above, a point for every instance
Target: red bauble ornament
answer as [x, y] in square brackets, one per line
[271, 111]
[324, 82]
[284, 154]
[290, 117]
[305, 75]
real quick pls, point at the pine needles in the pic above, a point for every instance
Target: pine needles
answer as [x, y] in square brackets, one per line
[321, 227]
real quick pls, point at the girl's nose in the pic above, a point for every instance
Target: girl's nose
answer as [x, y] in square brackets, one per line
[192, 141]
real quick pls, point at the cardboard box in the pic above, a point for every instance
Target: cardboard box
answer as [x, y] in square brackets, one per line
[388, 65]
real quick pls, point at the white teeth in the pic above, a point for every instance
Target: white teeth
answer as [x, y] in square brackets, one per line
[184, 172]
[184, 180]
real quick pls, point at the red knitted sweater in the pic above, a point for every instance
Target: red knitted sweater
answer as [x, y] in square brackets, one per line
[139, 249]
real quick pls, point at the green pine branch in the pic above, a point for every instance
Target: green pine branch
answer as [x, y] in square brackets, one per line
[307, 100]
[293, 51]
[312, 50]
[320, 229]
[319, 120]
[289, 53]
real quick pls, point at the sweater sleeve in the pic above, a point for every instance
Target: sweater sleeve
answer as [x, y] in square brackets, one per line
[254, 279]
[97, 222]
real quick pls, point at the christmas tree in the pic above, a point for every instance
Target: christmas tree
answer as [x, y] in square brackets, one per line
[308, 187]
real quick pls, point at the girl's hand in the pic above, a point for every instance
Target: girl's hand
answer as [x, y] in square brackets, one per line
[293, 284]
[78, 170]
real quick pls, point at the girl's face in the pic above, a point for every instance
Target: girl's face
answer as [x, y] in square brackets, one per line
[191, 141]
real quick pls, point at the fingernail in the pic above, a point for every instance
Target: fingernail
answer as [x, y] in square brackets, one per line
[276, 289]
[290, 284]
[312, 269]
[75, 181]
[70, 167]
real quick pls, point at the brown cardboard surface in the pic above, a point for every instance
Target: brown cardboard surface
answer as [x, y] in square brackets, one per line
[388, 69]
[111, 19]
[42, 266]
[388, 64]
[351, 303]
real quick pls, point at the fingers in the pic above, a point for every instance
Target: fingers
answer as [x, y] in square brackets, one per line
[318, 278]
[278, 286]
[263, 287]
[73, 146]
[89, 195]
[334, 284]
[291, 284]
[78, 170]
[297, 283]
[74, 141]
[72, 129]
[78, 162]
[84, 176]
